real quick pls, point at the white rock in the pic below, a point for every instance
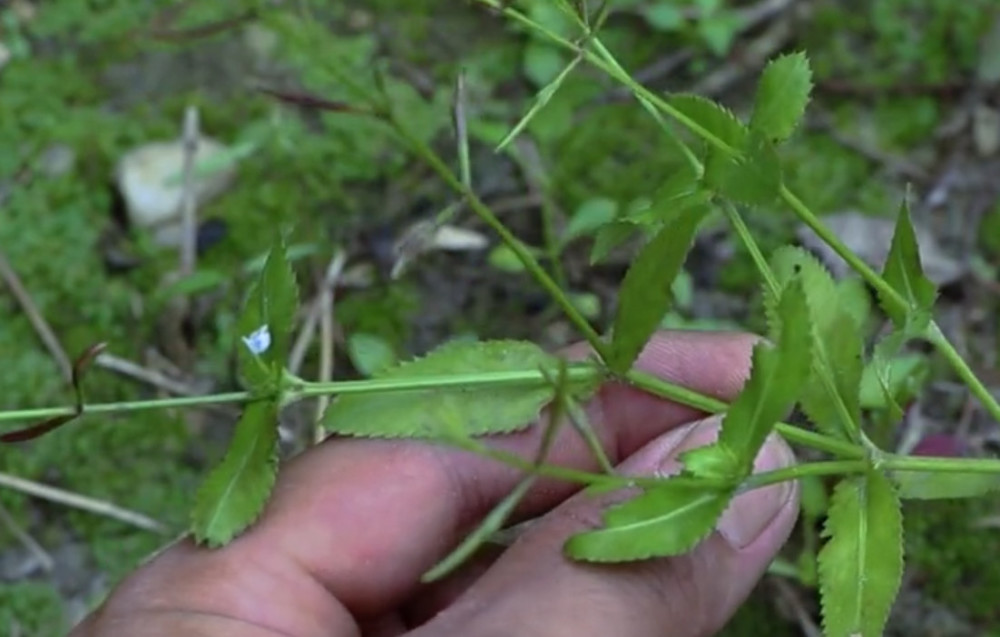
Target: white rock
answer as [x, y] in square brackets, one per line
[150, 180]
[5, 55]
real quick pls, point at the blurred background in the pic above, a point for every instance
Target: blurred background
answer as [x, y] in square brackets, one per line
[93, 97]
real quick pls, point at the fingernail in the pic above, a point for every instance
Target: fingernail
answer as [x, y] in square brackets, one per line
[749, 514]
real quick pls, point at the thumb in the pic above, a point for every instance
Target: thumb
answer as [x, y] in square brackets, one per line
[535, 590]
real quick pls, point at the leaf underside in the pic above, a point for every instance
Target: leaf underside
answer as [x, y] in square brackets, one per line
[645, 292]
[235, 492]
[861, 564]
[669, 519]
[425, 413]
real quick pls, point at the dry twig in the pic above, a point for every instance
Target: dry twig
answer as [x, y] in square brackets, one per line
[41, 555]
[35, 317]
[82, 502]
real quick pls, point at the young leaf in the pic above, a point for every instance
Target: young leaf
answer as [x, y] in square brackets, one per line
[236, 490]
[265, 326]
[669, 519]
[754, 177]
[777, 377]
[782, 96]
[610, 236]
[715, 119]
[543, 97]
[419, 412]
[645, 292]
[861, 565]
[939, 485]
[904, 273]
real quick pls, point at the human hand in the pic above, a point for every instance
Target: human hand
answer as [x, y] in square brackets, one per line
[353, 523]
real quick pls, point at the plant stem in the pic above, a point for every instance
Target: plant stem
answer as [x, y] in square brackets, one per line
[941, 465]
[829, 468]
[685, 396]
[128, 406]
[530, 378]
[743, 232]
[962, 369]
[524, 256]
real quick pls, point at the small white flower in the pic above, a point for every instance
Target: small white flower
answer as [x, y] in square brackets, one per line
[259, 340]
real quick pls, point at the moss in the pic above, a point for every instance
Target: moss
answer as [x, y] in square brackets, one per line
[33, 608]
[951, 558]
[757, 617]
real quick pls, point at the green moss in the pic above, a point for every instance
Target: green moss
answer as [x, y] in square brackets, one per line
[758, 617]
[33, 608]
[952, 559]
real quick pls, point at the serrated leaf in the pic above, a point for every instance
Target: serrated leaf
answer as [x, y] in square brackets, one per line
[665, 520]
[904, 273]
[940, 485]
[788, 262]
[645, 295]
[753, 177]
[830, 398]
[420, 412]
[270, 308]
[782, 96]
[713, 118]
[777, 377]
[861, 564]
[234, 493]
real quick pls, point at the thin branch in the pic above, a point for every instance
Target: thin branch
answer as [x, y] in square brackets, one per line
[41, 555]
[82, 502]
[326, 337]
[35, 317]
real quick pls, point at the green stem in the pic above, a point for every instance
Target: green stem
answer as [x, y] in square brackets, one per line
[524, 256]
[743, 232]
[962, 369]
[812, 469]
[685, 396]
[128, 406]
[527, 379]
[941, 465]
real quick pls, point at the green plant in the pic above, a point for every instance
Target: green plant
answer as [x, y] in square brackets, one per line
[815, 357]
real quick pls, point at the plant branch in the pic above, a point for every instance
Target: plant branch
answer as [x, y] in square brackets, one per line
[685, 396]
[827, 468]
[887, 293]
